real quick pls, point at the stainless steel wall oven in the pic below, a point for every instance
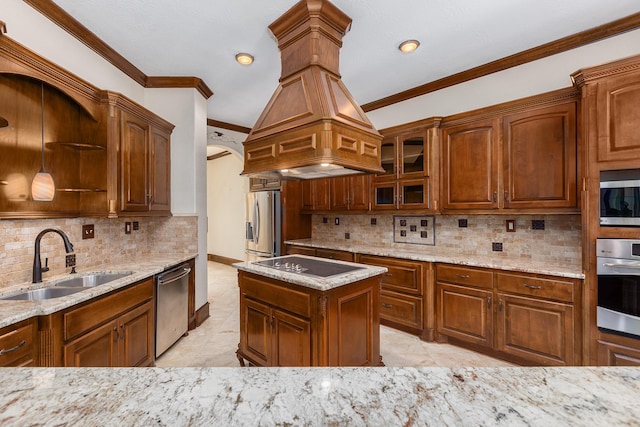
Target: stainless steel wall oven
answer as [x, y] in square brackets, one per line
[618, 309]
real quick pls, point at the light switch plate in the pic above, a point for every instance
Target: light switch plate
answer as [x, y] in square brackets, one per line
[511, 225]
[127, 228]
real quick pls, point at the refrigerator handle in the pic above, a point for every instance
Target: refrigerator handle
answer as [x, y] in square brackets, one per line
[257, 222]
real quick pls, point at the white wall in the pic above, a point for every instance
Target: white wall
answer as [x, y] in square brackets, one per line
[226, 191]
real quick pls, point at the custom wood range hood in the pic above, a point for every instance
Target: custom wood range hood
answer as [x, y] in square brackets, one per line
[311, 127]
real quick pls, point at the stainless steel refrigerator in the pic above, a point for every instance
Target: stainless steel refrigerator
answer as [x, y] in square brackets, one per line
[263, 224]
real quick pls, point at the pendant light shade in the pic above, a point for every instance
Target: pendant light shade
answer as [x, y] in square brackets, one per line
[43, 189]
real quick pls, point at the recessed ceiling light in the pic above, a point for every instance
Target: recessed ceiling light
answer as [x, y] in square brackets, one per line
[244, 58]
[409, 46]
[324, 165]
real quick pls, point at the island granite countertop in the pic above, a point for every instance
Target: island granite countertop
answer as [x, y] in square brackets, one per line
[581, 396]
[12, 311]
[314, 282]
[434, 254]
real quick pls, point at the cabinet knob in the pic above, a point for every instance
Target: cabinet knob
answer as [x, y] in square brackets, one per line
[489, 302]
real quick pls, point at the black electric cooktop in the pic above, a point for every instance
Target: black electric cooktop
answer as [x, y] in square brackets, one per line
[307, 266]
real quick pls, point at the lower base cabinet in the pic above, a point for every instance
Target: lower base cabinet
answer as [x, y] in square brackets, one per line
[283, 324]
[530, 319]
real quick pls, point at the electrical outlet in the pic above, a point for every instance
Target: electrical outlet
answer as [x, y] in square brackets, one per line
[70, 260]
[511, 225]
[325, 220]
[136, 226]
[496, 247]
[462, 223]
[374, 221]
[87, 231]
[337, 221]
[127, 228]
[347, 236]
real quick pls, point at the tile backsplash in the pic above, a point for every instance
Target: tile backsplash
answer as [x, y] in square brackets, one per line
[165, 235]
[558, 243]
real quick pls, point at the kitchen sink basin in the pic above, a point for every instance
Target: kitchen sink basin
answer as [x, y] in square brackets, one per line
[91, 279]
[43, 293]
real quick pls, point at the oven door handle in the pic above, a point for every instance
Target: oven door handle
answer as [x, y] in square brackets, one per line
[611, 264]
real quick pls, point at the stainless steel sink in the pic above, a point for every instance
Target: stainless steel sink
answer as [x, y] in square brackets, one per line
[91, 279]
[43, 293]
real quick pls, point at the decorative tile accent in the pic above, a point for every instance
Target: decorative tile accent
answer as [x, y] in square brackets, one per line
[416, 230]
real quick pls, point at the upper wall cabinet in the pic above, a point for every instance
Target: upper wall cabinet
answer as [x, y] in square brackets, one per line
[524, 159]
[611, 95]
[107, 155]
[408, 156]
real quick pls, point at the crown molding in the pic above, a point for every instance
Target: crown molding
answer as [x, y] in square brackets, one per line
[179, 82]
[592, 35]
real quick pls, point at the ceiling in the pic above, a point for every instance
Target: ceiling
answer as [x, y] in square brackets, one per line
[200, 38]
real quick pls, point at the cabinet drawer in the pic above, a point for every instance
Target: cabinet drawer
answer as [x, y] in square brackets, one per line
[555, 289]
[464, 276]
[300, 250]
[270, 292]
[82, 319]
[403, 309]
[403, 276]
[16, 344]
[334, 254]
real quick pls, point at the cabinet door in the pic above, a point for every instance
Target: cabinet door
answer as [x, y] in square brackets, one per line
[306, 196]
[385, 195]
[414, 194]
[465, 313]
[98, 348]
[136, 340]
[339, 193]
[160, 173]
[134, 165]
[539, 152]
[321, 190]
[470, 166]
[388, 160]
[359, 192]
[255, 327]
[413, 155]
[618, 118]
[291, 340]
[540, 331]
[401, 309]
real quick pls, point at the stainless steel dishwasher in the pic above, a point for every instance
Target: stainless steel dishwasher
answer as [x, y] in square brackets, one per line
[172, 306]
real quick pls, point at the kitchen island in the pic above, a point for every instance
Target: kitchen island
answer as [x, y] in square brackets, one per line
[583, 396]
[306, 311]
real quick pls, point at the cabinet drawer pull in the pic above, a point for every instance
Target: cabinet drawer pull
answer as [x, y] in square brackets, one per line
[9, 350]
[495, 196]
[385, 305]
[115, 329]
[488, 302]
[531, 286]
[123, 330]
[463, 276]
[388, 274]
[500, 305]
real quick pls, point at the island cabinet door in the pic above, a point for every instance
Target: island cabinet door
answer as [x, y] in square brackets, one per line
[255, 327]
[354, 327]
[291, 340]
[540, 331]
[465, 313]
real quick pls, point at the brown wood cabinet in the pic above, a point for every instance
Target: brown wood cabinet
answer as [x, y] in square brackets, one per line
[350, 193]
[18, 344]
[335, 254]
[619, 351]
[283, 324]
[111, 330]
[145, 158]
[528, 318]
[521, 159]
[261, 184]
[403, 299]
[409, 158]
[316, 194]
[300, 250]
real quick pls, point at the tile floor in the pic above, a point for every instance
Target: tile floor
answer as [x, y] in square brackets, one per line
[214, 343]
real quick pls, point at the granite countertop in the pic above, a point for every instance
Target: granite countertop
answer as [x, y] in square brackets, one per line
[13, 311]
[433, 254]
[582, 396]
[314, 282]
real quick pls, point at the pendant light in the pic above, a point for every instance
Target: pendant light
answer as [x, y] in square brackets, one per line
[43, 189]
